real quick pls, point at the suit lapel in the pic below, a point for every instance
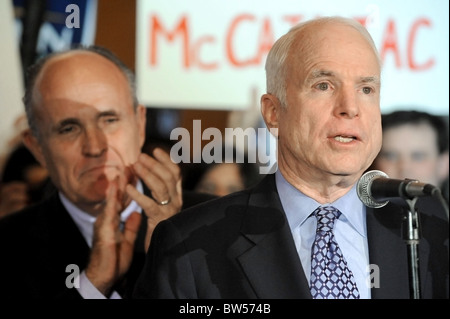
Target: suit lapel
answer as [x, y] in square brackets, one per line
[65, 235]
[272, 265]
[57, 244]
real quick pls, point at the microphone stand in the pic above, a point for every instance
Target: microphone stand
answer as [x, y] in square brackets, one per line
[411, 236]
[409, 193]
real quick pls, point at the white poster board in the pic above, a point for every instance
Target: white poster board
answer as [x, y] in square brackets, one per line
[210, 54]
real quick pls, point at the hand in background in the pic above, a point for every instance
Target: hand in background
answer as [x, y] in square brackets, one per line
[13, 197]
[163, 178]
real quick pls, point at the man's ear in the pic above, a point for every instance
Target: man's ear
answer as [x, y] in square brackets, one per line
[32, 143]
[270, 110]
[141, 113]
[443, 168]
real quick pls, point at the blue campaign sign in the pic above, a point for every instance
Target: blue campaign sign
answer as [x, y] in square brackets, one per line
[64, 23]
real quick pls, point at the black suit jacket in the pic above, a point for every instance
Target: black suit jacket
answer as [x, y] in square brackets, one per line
[38, 243]
[240, 246]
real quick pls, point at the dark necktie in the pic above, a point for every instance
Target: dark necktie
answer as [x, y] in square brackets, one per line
[330, 276]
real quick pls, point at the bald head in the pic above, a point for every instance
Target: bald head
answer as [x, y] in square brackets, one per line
[300, 41]
[87, 132]
[50, 71]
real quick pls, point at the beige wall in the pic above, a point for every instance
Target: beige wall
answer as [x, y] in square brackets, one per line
[11, 85]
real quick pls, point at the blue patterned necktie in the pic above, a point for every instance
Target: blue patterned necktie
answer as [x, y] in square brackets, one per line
[330, 276]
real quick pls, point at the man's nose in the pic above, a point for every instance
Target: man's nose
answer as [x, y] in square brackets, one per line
[404, 168]
[347, 104]
[95, 142]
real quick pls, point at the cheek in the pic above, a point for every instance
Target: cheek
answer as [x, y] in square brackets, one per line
[377, 137]
[389, 168]
[125, 147]
[118, 154]
[378, 144]
[291, 123]
[425, 168]
[59, 165]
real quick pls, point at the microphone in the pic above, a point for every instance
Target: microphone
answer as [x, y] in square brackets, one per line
[375, 189]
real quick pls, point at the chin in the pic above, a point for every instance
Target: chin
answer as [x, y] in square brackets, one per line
[93, 193]
[92, 198]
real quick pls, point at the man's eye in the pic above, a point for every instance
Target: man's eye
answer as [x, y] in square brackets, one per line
[322, 86]
[390, 156]
[418, 157]
[67, 129]
[207, 187]
[111, 120]
[367, 90]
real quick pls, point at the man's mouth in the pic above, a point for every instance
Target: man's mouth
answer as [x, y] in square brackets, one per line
[98, 169]
[95, 168]
[344, 139]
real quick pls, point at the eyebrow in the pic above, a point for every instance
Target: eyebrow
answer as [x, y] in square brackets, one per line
[371, 79]
[68, 121]
[74, 120]
[317, 74]
[107, 113]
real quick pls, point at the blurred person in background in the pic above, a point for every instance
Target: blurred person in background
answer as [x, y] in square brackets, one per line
[415, 146]
[23, 181]
[221, 178]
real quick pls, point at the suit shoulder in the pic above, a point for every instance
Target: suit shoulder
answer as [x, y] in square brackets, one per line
[30, 220]
[22, 217]
[212, 209]
[192, 198]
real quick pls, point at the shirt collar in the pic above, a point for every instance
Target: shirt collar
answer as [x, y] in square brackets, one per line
[85, 222]
[298, 207]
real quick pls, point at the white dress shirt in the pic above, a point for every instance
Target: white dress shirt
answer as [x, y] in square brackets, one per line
[85, 223]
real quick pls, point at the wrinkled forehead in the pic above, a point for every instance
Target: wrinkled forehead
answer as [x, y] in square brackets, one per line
[325, 37]
[77, 84]
[78, 65]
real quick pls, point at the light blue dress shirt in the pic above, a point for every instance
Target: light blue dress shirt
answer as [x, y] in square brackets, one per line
[349, 230]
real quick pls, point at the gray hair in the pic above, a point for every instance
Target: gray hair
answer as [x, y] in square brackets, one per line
[276, 66]
[34, 70]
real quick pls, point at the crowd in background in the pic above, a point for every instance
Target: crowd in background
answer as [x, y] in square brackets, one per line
[415, 146]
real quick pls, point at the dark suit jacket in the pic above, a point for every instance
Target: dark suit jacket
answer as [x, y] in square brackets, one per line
[240, 246]
[38, 243]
